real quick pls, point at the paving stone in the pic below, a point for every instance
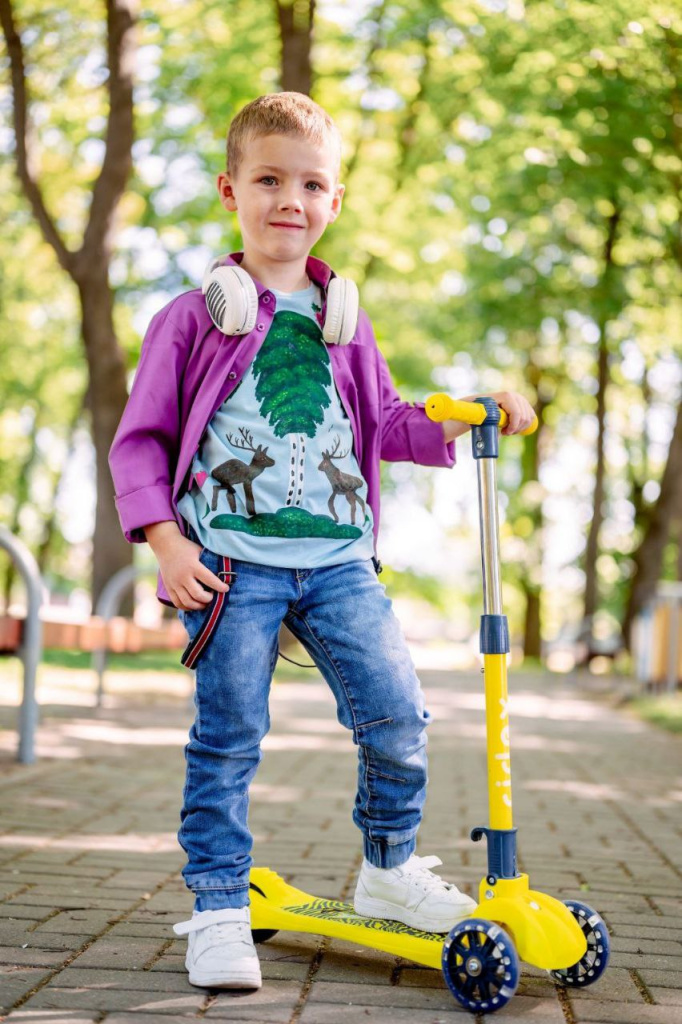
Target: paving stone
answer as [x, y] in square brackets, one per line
[176, 964]
[19, 911]
[353, 1013]
[96, 977]
[284, 971]
[31, 957]
[274, 1002]
[662, 979]
[666, 996]
[149, 1018]
[23, 939]
[123, 954]
[77, 922]
[370, 995]
[600, 1013]
[354, 968]
[116, 999]
[51, 1017]
[660, 945]
[16, 982]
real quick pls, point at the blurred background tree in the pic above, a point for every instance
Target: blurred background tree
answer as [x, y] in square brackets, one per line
[512, 218]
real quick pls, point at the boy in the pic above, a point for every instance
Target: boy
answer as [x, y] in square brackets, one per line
[251, 455]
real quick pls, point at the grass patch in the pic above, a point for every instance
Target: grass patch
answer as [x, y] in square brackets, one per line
[665, 711]
[145, 661]
[164, 661]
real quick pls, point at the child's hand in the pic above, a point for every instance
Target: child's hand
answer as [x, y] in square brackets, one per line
[184, 576]
[517, 408]
[519, 411]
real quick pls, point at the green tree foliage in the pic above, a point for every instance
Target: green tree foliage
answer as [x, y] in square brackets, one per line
[512, 215]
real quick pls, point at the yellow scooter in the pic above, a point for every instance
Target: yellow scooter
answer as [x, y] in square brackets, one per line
[480, 956]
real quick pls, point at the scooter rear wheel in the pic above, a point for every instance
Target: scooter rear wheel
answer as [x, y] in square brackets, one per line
[263, 934]
[480, 965]
[593, 964]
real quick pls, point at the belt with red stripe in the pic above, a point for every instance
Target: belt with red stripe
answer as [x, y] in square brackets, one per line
[215, 609]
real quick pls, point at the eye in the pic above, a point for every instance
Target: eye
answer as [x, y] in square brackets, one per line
[314, 186]
[267, 179]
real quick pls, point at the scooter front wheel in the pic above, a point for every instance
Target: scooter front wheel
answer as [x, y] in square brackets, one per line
[480, 965]
[263, 934]
[593, 964]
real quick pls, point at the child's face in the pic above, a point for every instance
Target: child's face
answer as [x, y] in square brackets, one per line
[285, 194]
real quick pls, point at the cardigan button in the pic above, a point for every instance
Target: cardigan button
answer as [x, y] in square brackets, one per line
[231, 375]
[261, 327]
[266, 298]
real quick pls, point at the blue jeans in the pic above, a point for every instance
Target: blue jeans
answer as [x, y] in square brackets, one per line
[342, 617]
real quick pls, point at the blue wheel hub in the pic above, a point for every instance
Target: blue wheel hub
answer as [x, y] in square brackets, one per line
[480, 965]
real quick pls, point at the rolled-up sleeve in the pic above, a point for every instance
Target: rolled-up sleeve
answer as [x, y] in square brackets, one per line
[144, 453]
[407, 434]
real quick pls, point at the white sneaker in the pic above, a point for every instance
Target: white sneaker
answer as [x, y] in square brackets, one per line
[220, 949]
[411, 894]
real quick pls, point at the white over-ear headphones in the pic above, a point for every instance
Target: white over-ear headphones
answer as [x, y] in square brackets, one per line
[232, 303]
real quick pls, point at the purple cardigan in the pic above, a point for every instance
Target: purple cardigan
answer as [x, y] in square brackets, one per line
[188, 368]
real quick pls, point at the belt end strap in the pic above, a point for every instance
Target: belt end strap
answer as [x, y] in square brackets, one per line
[196, 647]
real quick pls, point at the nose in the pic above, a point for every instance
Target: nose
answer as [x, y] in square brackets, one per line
[290, 201]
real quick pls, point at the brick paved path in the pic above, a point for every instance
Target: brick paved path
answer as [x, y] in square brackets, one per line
[89, 883]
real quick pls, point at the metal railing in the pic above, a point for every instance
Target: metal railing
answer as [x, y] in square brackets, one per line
[107, 608]
[31, 647]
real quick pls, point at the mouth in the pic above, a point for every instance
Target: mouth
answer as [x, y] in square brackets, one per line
[286, 225]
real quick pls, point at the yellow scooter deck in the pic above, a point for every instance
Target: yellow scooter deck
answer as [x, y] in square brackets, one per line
[275, 905]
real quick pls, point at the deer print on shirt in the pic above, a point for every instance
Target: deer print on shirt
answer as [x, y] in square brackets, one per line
[341, 483]
[234, 471]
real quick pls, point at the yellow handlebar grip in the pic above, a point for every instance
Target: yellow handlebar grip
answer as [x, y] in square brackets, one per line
[441, 407]
[532, 428]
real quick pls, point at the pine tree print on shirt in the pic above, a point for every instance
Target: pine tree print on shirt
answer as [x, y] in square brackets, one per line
[292, 386]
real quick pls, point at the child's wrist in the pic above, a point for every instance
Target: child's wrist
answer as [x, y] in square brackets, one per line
[160, 534]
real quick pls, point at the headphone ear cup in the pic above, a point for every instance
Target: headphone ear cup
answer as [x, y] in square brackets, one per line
[231, 300]
[343, 308]
[209, 270]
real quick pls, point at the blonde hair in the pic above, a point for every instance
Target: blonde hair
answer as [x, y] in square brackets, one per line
[281, 113]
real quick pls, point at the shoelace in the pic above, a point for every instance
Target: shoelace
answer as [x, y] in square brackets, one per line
[419, 870]
[225, 931]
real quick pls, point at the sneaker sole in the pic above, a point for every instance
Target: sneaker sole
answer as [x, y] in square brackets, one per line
[366, 906]
[241, 980]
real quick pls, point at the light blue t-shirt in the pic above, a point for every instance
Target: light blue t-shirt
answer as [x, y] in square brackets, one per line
[276, 480]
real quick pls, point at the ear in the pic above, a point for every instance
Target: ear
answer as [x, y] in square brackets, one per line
[226, 192]
[336, 203]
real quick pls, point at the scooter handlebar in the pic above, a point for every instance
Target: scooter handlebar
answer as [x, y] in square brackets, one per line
[441, 407]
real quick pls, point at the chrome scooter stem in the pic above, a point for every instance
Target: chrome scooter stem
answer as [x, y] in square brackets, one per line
[490, 536]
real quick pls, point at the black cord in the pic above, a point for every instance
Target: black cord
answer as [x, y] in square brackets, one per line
[299, 663]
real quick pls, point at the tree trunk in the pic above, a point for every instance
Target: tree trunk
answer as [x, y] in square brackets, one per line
[107, 396]
[296, 19]
[530, 467]
[592, 549]
[532, 633]
[88, 266]
[648, 558]
[591, 598]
